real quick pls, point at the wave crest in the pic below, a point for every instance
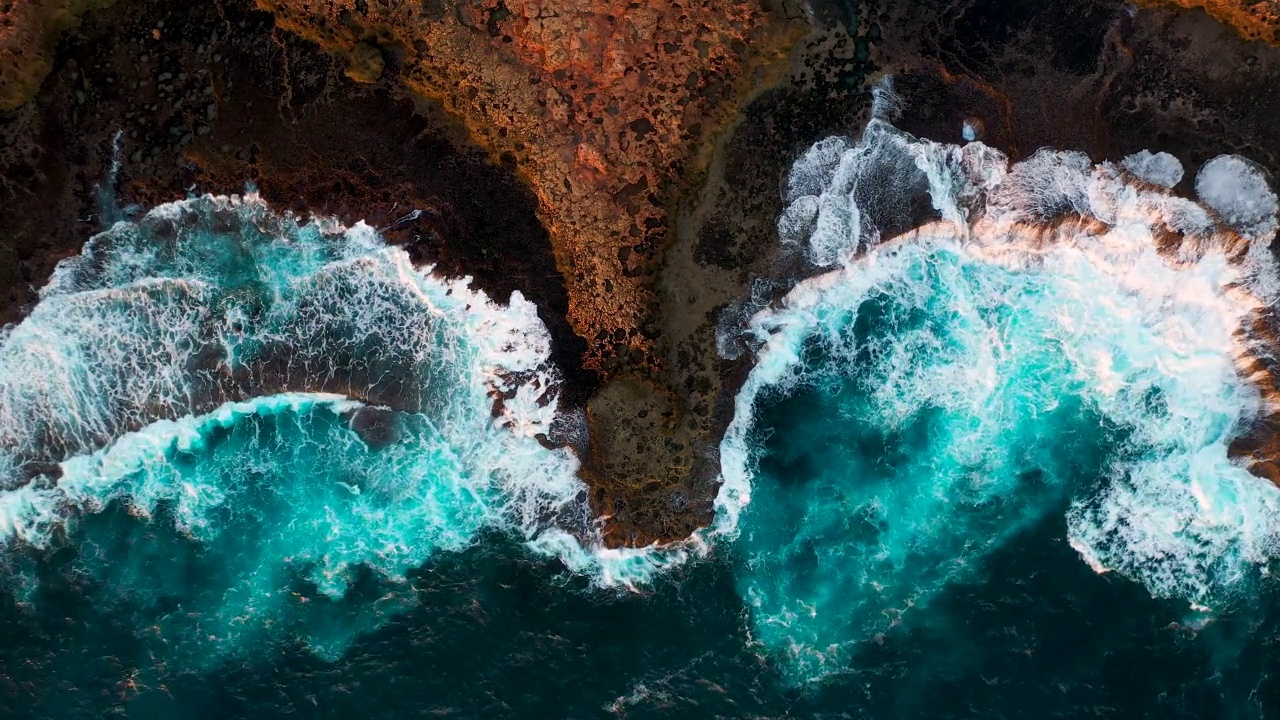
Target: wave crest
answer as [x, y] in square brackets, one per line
[298, 401]
[1035, 306]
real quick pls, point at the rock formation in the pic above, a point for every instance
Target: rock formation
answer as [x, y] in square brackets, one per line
[606, 110]
[1253, 19]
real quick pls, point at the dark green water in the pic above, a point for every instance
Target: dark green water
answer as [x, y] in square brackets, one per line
[495, 634]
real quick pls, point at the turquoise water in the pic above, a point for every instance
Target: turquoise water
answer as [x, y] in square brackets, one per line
[1039, 355]
[926, 427]
[269, 514]
[259, 466]
[494, 632]
[947, 410]
[291, 413]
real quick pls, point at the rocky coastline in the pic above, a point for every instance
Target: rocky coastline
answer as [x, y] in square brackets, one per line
[619, 166]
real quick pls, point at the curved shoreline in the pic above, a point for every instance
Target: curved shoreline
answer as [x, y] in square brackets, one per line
[656, 479]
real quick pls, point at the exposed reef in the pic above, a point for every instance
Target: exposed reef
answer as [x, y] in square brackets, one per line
[1089, 76]
[29, 31]
[599, 107]
[208, 98]
[212, 96]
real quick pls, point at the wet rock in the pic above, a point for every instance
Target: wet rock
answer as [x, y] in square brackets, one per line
[1253, 19]
[366, 63]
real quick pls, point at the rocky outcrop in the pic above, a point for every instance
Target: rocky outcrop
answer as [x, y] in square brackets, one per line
[211, 96]
[607, 110]
[29, 31]
[1253, 19]
[649, 139]
[601, 107]
[602, 111]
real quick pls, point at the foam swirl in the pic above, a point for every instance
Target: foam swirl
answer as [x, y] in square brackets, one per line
[1048, 338]
[299, 403]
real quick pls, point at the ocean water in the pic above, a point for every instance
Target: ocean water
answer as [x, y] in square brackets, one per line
[1059, 356]
[940, 407]
[244, 430]
[258, 466]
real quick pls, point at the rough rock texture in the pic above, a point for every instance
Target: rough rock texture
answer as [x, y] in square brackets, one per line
[605, 110]
[1253, 19]
[725, 260]
[601, 115]
[598, 105]
[210, 96]
[29, 32]
[601, 110]
[1088, 75]
[649, 139]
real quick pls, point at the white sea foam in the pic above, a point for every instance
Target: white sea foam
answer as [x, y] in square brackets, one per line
[1148, 296]
[159, 328]
[1159, 168]
[1237, 189]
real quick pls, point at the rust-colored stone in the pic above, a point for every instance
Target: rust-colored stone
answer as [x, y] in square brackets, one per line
[601, 106]
[1253, 19]
[606, 110]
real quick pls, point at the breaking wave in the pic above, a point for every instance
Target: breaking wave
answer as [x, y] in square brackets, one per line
[992, 347]
[290, 412]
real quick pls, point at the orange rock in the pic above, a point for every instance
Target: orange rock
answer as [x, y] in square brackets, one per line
[600, 104]
[1253, 19]
[603, 107]
[606, 108]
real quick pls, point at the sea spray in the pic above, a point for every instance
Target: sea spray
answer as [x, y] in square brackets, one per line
[1051, 339]
[261, 421]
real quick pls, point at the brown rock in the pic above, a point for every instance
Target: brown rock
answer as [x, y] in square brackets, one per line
[29, 31]
[366, 63]
[606, 110]
[1253, 19]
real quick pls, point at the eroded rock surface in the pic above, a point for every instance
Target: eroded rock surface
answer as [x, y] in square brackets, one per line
[600, 110]
[1253, 19]
[29, 31]
[207, 97]
[598, 105]
[606, 110]
[1087, 75]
